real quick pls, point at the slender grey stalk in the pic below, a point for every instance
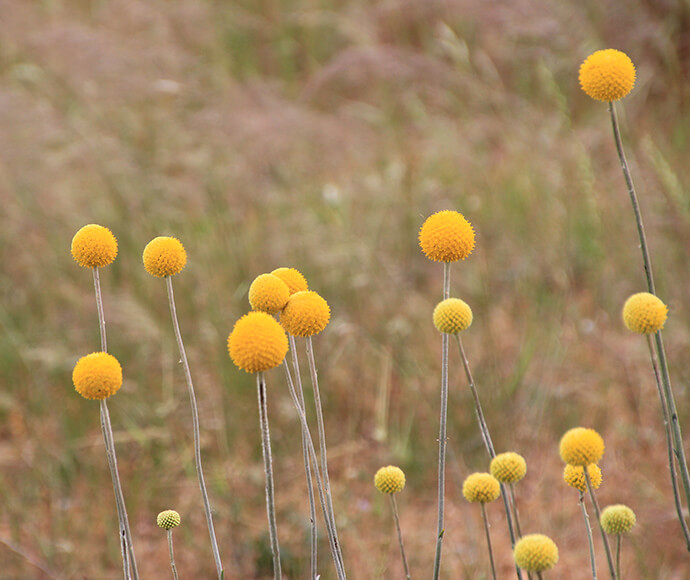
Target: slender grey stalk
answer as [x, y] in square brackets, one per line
[607, 547]
[511, 489]
[590, 540]
[540, 576]
[195, 426]
[618, 555]
[394, 507]
[488, 540]
[172, 555]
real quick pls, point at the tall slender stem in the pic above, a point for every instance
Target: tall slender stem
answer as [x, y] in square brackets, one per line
[618, 555]
[604, 538]
[511, 489]
[590, 540]
[172, 554]
[394, 507]
[488, 540]
[195, 426]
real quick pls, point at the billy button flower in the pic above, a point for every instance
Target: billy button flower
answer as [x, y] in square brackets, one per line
[644, 313]
[305, 314]
[481, 487]
[574, 476]
[607, 75]
[452, 315]
[295, 280]
[581, 446]
[164, 256]
[97, 376]
[94, 246]
[536, 553]
[390, 479]
[257, 342]
[268, 293]
[168, 519]
[618, 519]
[509, 467]
[446, 236]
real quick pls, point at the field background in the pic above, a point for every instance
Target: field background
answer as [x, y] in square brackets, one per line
[320, 135]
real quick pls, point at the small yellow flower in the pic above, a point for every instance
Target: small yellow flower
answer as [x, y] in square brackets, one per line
[257, 342]
[294, 279]
[617, 519]
[607, 75]
[508, 467]
[268, 293]
[644, 313]
[94, 246]
[164, 256]
[581, 446]
[97, 376]
[446, 236]
[535, 553]
[389, 479]
[481, 487]
[168, 519]
[305, 314]
[574, 476]
[452, 315]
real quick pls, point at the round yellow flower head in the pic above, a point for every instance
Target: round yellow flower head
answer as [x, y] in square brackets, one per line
[607, 75]
[168, 519]
[581, 446]
[164, 256]
[97, 376]
[305, 314]
[268, 293]
[508, 467]
[257, 342]
[481, 487]
[574, 476]
[390, 479]
[94, 246]
[294, 279]
[446, 236]
[535, 553]
[644, 313]
[452, 315]
[617, 519]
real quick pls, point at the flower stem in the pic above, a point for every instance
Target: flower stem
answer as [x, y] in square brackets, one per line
[590, 540]
[488, 540]
[172, 555]
[604, 538]
[618, 555]
[394, 506]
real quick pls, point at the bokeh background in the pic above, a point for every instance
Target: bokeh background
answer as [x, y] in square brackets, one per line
[319, 135]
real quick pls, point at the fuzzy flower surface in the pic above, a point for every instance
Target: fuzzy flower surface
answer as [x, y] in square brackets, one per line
[305, 314]
[257, 342]
[268, 293]
[295, 280]
[446, 236]
[581, 446]
[97, 376]
[94, 246]
[607, 75]
[168, 519]
[617, 519]
[164, 256]
[509, 467]
[389, 479]
[536, 553]
[481, 487]
[452, 315]
[644, 313]
[574, 476]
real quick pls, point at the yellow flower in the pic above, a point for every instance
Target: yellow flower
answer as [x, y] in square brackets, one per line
[257, 342]
[97, 376]
[535, 553]
[268, 293]
[294, 279]
[644, 313]
[581, 446]
[452, 315]
[446, 236]
[574, 476]
[390, 479]
[617, 519]
[607, 75]
[94, 246]
[168, 519]
[508, 467]
[164, 256]
[305, 314]
[481, 487]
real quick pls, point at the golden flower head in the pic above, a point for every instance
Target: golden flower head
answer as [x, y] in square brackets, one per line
[535, 553]
[452, 315]
[617, 519]
[294, 279]
[94, 246]
[168, 519]
[446, 236]
[607, 75]
[508, 467]
[305, 314]
[164, 256]
[644, 313]
[97, 376]
[581, 446]
[257, 342]
[574, 476]
[481, 487]
[268, 293]
[389, 479]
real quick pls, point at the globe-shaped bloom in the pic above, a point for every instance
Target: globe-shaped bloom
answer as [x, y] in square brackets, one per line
[574, 476]
[295, 280]
[644, 313]
[305, 314]
[509, 467]
[452, 315]
[94, 246]
[164, 256]
[257, 342]
[481, 487]
[97, 376]
[168, 519]
[581, 446]
[446, 236]
[535, 553]
[617, 519]
[389, 479]
[268, 293]
[607, 75]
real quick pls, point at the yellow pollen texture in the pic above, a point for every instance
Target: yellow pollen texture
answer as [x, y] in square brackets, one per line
[94, 246]
[607, 75]
[446, 236]
[164, 256]
[257, 342]
[97, 376]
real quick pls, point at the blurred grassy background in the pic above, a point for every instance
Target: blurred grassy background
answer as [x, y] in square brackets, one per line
[319, 135]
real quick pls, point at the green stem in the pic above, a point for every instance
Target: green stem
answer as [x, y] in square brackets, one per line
[618, 555]
[394, 507]
[172, 554]
[607, 547]
[590, 540]
[488, 540]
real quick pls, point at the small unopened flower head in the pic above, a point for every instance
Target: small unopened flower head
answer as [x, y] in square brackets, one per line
[535, 553]
[446, 236]
[389, 479]
[574, 476]
[97, 376]
[168, 519]
[295, 280]
[644, 313]
[617, 519]
[481, 487]
[508, 467]
[581, 446]
[268, 293]
[164, 256]
[452, 315]
[94, 246]
[257, 342]
[305, 314]
[607, 75]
